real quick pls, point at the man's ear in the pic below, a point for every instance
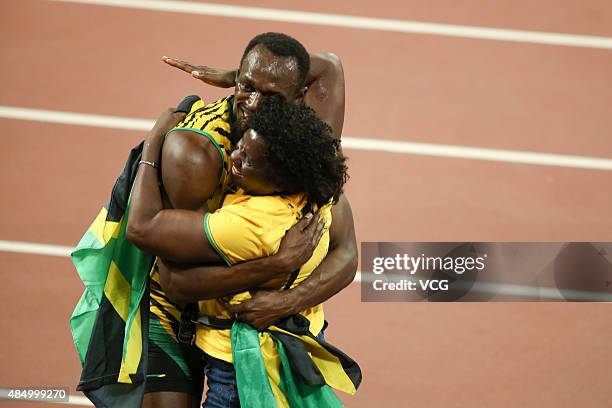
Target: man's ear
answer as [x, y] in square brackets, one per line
[301, 95]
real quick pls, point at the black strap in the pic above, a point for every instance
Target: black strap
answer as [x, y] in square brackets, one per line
[186, 333]
[186, 103]
[215, 323]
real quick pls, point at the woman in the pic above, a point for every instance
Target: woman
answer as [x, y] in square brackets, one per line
[285, 164]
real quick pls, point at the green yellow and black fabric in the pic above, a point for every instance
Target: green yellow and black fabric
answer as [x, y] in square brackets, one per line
[286, 366]
[211, 121]
[110, 323]
[111, 319]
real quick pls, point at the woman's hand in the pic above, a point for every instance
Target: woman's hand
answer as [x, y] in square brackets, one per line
[154, 141]
[219, 77]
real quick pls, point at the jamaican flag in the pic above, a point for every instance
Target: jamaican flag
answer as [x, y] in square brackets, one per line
[286, 366]
[110, 323]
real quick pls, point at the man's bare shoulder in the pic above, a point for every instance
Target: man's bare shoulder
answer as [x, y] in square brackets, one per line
[191, 165]
[190, 146]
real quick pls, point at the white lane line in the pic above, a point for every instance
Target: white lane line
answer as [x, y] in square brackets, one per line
[56, 250]
[478, 153]
[402, 147]
[35, 248]
[71, 118]
[77, 400]
[364, 23]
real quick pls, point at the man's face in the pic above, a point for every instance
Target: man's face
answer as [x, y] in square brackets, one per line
[250, 170]
[261, 74]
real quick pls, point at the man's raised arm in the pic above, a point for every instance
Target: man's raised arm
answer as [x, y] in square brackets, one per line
[325, 85]
[325, 93]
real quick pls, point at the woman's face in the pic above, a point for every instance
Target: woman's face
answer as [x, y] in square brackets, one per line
[250, 171]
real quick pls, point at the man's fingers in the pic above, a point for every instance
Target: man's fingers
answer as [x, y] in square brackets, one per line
[304, 222]
[183, 65]
[248, 318]
[172, 62]
[314, 222]
[200, 72]
[237, 308]
[318, 233]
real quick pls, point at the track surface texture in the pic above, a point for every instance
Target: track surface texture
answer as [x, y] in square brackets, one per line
[406, 87]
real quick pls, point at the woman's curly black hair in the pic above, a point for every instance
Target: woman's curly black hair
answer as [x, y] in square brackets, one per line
[300, 149]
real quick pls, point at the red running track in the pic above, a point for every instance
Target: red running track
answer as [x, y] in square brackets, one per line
[405, 87]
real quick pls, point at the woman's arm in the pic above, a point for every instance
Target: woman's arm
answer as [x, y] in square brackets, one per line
[175, 235]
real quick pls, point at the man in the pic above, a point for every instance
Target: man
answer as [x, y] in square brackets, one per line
[193, 172]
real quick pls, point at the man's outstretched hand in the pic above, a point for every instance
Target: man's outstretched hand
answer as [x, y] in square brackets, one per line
[219, 77]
